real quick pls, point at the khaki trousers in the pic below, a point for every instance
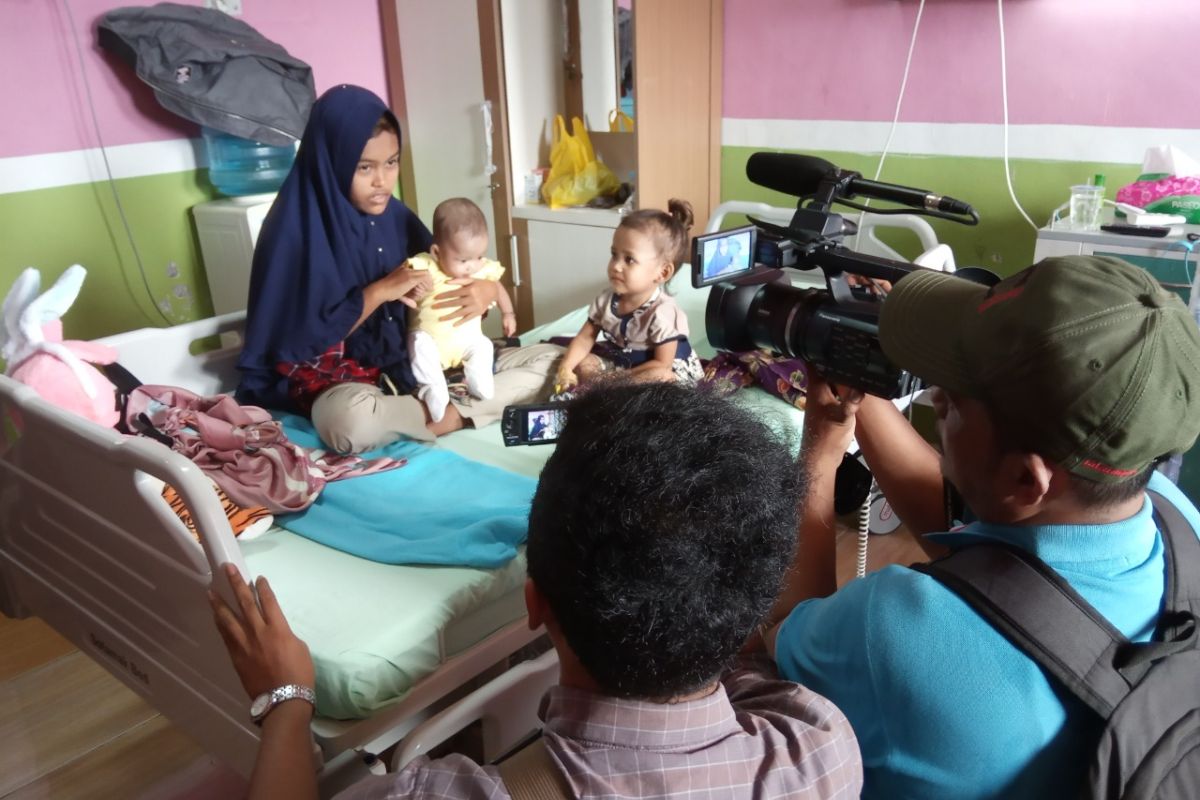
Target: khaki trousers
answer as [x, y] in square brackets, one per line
[354, 417]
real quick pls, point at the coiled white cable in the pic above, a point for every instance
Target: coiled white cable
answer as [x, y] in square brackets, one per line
[864, 535]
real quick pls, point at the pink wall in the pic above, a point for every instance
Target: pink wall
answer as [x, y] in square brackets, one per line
[1078, 62]
[42, 97]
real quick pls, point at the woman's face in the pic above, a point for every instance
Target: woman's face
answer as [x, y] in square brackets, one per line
[376, 173]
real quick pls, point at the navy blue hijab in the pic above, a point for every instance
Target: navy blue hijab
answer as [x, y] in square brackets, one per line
[317, 252]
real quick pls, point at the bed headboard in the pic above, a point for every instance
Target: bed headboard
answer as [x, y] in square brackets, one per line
[157, 355]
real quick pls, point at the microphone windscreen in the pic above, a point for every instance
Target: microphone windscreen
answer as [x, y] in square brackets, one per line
[793, 174]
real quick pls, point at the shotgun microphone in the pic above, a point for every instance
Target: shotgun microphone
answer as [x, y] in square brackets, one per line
[800, 176]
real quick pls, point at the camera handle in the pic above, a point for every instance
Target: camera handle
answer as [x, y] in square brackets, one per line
[833, 186]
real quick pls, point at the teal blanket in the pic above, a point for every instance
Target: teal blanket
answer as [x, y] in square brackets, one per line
[440, 508]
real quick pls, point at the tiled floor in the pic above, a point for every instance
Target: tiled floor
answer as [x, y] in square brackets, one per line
[71, 731]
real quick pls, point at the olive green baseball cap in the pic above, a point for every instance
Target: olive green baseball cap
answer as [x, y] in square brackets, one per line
[1087, 360]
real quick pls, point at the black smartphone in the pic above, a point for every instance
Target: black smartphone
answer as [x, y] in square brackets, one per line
[1156, 231]
[533, 424]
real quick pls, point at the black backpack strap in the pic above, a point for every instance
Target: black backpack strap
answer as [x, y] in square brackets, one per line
[125, 382]
[1042, 615]
[1039, 612]
[1183, 560]
[1178, 627]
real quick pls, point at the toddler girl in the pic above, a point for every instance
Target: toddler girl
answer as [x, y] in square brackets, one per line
[644, 330]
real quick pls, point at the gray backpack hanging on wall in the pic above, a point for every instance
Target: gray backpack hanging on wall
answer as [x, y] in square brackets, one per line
[213, 69]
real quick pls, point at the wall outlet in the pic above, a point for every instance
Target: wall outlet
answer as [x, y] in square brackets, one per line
[231, 7]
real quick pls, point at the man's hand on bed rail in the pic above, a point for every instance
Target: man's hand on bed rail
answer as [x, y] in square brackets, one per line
[265, 652]
[267, 655]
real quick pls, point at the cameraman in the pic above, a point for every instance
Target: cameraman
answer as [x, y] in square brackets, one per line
[1057, 392]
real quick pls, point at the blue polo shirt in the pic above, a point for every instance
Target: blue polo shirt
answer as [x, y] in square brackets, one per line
[942, 704]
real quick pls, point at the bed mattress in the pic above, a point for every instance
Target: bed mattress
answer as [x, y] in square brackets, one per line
[376, 629]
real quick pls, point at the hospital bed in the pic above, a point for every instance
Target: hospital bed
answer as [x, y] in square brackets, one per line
[88, 545]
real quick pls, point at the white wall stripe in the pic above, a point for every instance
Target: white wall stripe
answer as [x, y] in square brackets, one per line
[50, 170]
[1040, 142]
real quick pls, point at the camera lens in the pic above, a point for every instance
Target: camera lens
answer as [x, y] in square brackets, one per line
[841, 341]
[773, 316]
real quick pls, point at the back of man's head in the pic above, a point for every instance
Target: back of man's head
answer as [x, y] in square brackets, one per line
[1085, 360]
[659, 534]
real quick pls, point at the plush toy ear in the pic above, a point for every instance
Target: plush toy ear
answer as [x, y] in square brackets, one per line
[53, 304]
[22, 293]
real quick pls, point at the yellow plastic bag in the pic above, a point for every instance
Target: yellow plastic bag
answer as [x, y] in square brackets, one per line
[619, 121]
[575, 175]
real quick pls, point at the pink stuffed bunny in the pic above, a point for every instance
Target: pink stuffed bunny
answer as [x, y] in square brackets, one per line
[36, 355]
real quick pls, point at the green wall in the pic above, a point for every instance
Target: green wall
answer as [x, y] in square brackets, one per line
[1002, 242]
[52, 229]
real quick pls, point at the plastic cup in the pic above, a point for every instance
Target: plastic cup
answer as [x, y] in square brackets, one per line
[1086, 201]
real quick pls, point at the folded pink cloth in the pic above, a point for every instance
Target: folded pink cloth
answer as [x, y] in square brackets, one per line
[244, 450]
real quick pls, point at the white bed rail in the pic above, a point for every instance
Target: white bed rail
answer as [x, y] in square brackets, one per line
[507, 707]
[157, 355]
[88, 544]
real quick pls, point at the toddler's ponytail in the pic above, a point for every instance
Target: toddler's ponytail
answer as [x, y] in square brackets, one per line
[669, 229]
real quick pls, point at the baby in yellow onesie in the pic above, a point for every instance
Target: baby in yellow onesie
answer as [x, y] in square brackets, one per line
[460, 242]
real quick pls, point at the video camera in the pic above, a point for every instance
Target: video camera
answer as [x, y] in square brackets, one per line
[835, 330]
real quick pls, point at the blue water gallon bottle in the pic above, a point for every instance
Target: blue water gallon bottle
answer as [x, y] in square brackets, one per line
[238, 166]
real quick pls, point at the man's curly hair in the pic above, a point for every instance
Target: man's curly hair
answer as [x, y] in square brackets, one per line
[660, 533]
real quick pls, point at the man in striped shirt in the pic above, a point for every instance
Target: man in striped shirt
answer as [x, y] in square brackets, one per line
[658, 539]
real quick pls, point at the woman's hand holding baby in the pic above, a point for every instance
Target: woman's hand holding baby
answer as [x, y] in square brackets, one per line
[404, 285]
[470, 300]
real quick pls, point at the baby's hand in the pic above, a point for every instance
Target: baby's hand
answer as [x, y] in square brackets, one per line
[406, 285]
[420, 290]
[420, 283]
[509, 323]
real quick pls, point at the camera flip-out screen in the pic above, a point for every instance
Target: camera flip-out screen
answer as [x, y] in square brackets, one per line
[533, 424]
[723, 255]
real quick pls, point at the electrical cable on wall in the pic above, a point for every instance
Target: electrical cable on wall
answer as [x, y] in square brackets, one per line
[864, 512]
[912, 45]
[887, 145]
[108, 167]
[1004, 100]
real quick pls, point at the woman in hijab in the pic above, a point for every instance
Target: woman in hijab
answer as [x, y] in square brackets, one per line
[326, 317]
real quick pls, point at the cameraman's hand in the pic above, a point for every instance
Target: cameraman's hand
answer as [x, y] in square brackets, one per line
[265, 652]
[829, 413]
[877, 286]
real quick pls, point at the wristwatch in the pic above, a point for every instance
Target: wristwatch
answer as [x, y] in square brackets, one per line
[265, 702]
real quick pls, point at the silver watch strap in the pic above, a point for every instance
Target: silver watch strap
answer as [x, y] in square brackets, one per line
[291, 691]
